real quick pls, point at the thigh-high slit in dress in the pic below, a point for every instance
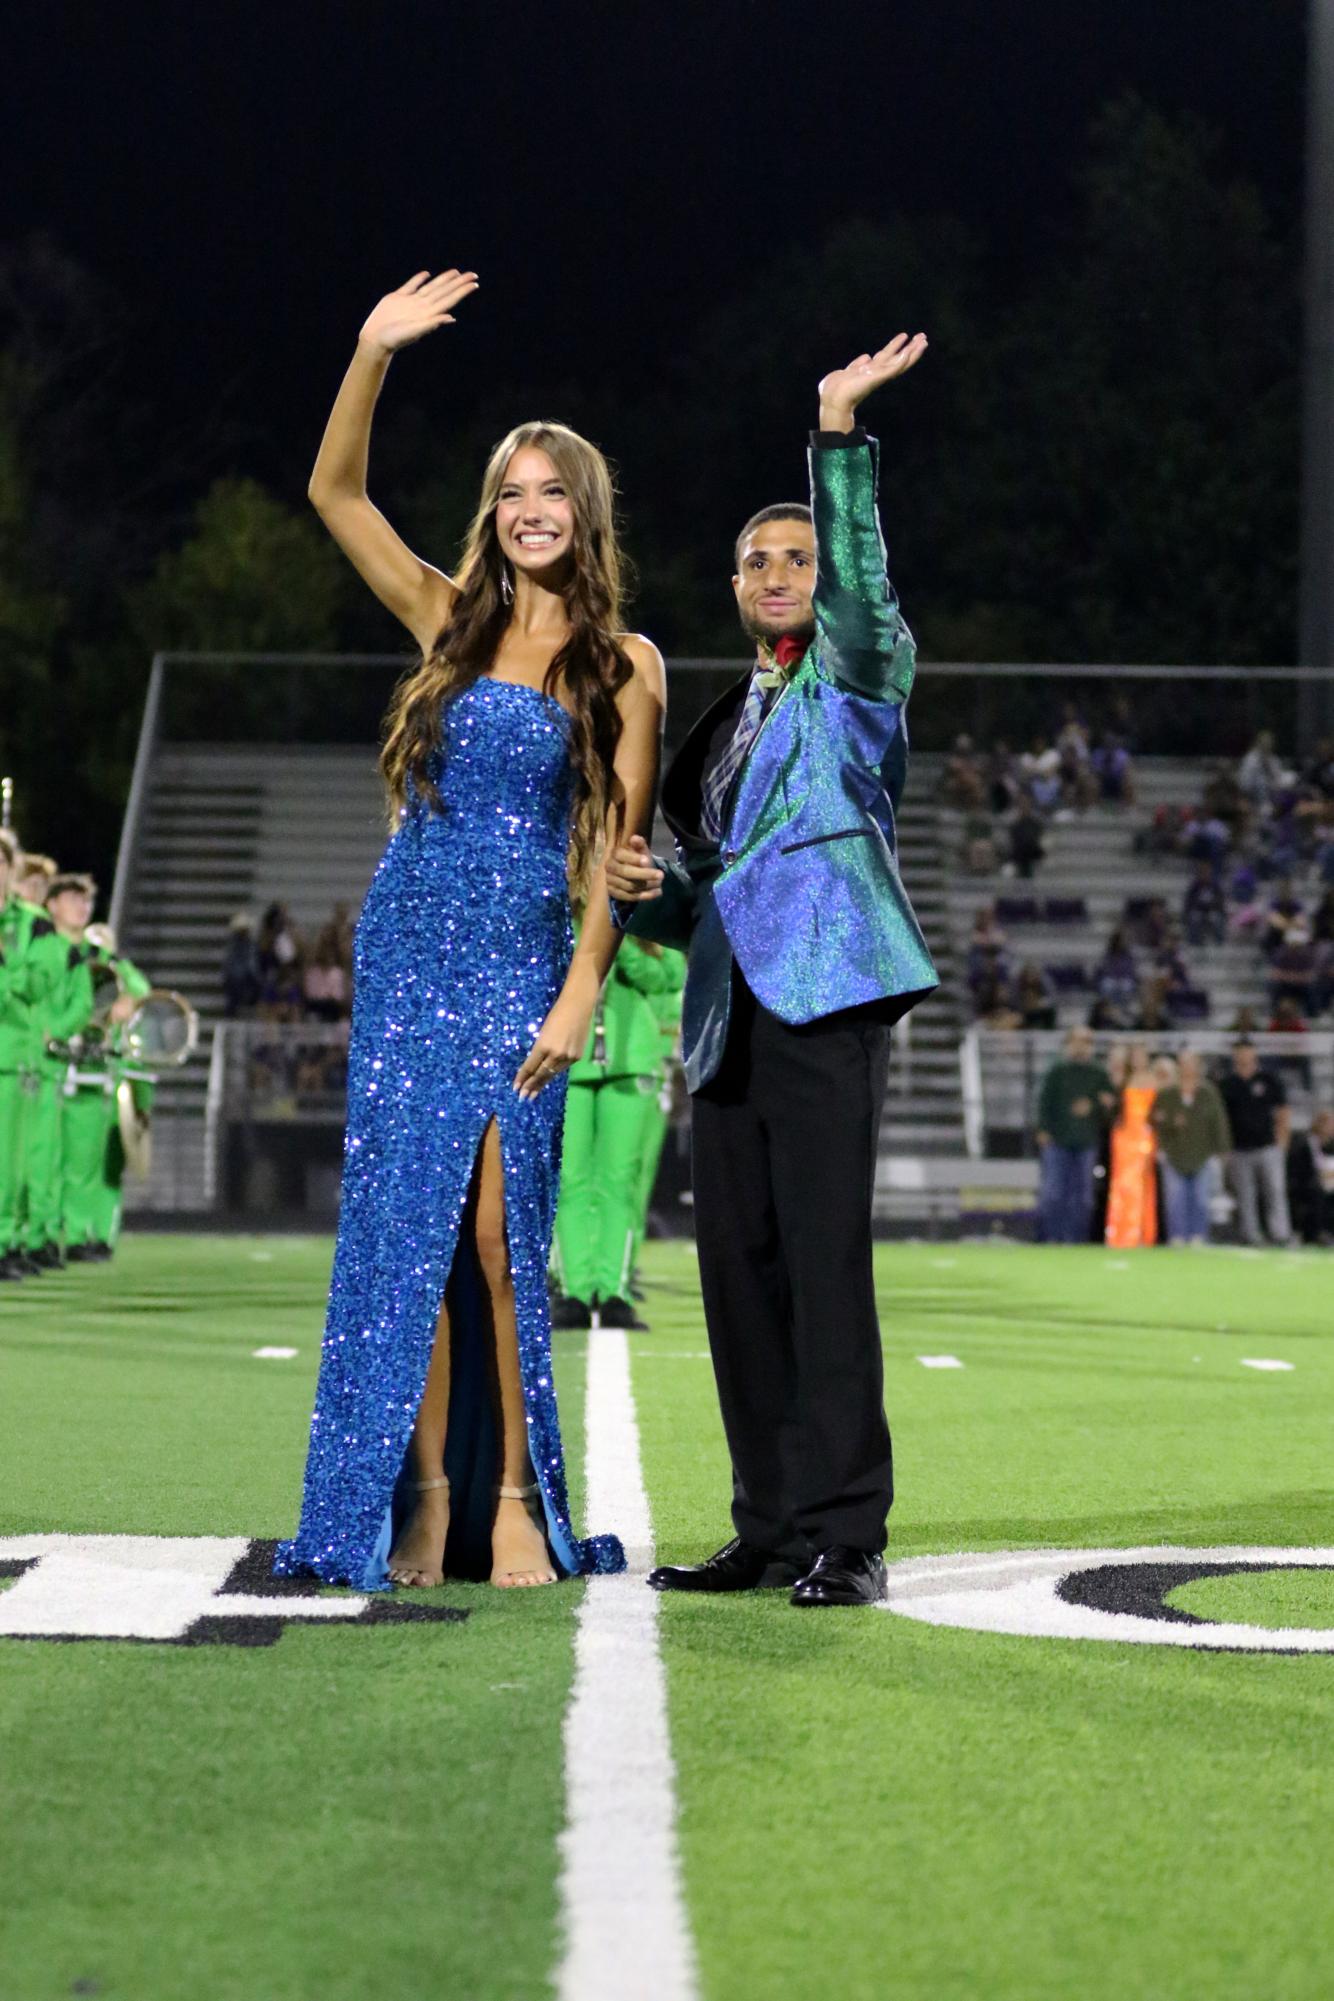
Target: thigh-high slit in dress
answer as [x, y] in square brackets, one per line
[461, 949]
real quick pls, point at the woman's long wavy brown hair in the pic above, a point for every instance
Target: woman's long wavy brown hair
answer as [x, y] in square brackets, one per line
[590, 666]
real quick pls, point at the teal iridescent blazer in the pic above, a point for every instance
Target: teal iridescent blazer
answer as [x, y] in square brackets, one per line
[803, 890]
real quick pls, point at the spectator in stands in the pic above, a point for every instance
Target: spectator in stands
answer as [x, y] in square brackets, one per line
[1287, 1018]
[1261, 772]
[1002, 780]
[1152, 924]
[280, 957]
[962, 783]
[1311, 1180]
[1116, 976]
[1110, 758]
[240, 966]
[1205, 837]
[1284, 910]
[1073, 1106]
[324, 978]
[993, 1006]
[1294, 969]
[1260, 1122]
[1079, 784]
[1027, 846]
[1318, 775]
[1193, 1135]
[979, 844]
[1169, 964]
[1223, 799]
[1203, 910]
[1040, 773]
[1032, 998]
[1153, 1016]
[1245, 1023]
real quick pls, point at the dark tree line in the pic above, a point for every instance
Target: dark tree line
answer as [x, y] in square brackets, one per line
[1099, 461]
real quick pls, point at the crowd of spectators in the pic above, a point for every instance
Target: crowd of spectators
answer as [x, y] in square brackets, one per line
[1008, 797]
[272, 973]
[1260, 842]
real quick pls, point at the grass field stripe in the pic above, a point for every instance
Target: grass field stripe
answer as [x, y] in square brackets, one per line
[626, 1933]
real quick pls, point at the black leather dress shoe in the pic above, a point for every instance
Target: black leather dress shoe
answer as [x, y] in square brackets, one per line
[842, 1576]
[570, 1316]
[737, 1566]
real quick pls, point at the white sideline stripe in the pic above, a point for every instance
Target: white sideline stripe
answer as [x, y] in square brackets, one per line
[626, 1932]
[940, 1361]
[1262, 1364]
[273, 1354]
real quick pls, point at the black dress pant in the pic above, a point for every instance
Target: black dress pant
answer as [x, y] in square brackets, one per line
[784, 1145]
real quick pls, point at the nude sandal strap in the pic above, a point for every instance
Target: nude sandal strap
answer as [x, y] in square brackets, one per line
[517, 1493]
[425, 1486]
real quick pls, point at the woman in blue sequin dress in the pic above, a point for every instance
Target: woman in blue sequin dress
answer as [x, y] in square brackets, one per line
[531, 726]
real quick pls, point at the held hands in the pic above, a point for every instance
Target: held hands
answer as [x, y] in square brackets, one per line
[844, 388]
[632, 874]
[417, 308]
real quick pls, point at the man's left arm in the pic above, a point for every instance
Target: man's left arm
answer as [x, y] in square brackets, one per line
[861, 635]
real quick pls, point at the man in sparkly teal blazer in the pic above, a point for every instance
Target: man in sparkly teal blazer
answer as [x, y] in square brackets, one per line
[803, 950]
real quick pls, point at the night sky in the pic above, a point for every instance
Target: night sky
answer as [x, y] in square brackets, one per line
[250, 177]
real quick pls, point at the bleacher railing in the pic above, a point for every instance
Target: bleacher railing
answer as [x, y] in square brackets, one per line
[1001, 1073]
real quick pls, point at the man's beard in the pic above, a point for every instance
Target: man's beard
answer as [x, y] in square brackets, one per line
[800, 628]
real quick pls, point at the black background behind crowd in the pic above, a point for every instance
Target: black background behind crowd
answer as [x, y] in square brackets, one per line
[679, 214]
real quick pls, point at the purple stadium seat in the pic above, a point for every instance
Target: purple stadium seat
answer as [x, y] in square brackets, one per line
[1017, 910]
[1065, 910]
[1067, 976]
[1189, 1004]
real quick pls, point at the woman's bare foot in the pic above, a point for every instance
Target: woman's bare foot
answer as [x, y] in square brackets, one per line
[418, 1557]
[518, 1542]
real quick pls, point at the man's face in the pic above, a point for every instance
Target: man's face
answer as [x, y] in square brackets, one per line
[1245, 1062]
[71, 912]
[1079, 1045]
[32, 888]
[775, 581]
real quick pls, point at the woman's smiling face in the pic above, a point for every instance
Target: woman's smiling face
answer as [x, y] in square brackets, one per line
[534, 513]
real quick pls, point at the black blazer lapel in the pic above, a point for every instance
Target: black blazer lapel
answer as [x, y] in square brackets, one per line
[682, 783]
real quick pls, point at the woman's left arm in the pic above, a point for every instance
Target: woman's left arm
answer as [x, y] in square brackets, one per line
[643, 704]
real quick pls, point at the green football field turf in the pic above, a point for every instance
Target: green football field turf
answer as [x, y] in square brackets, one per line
[869, 1806]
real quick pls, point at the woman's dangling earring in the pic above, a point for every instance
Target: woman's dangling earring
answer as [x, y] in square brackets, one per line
[506, 583]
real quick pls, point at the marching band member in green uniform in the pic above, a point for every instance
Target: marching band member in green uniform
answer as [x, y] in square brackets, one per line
[47, 992]
[67, 1010]
[92, 1159]
[657, 1109]
[597, 1220]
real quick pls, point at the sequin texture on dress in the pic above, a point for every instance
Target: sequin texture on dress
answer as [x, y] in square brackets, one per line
[463, 944]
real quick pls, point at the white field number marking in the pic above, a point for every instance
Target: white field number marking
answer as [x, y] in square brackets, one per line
[273, 1354]
[940, 1361]
[1263, 1364]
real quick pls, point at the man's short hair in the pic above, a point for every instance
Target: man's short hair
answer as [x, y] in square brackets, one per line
[70, 879]
[796, 510]
[34, 864]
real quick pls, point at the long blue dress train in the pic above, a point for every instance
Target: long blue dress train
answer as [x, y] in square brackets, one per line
[462, 946]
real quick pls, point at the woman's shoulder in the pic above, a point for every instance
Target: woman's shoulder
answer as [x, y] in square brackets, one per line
[650, 672]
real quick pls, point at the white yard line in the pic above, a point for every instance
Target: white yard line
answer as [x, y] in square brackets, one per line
[627, 1937]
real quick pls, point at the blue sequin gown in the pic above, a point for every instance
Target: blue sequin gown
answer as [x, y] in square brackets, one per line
[462, 946]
